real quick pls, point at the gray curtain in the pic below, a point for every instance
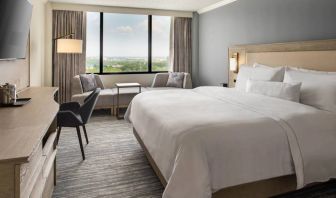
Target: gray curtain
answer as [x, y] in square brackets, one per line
[66, 66]
[182, 48]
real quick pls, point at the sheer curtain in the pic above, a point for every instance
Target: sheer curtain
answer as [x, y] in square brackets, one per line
[181, 45]
[66, 66]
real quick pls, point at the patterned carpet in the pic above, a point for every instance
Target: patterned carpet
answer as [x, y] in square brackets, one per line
[115, 164]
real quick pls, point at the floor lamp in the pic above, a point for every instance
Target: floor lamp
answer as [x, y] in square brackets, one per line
[66, 45]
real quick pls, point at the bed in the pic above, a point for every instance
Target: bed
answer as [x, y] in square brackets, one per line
[218, 142]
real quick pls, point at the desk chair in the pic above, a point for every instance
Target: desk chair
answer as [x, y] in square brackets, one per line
[73, 114]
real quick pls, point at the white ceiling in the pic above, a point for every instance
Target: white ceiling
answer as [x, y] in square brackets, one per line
[182, 5]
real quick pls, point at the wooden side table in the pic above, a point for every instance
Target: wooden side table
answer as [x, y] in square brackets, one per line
[120, 86]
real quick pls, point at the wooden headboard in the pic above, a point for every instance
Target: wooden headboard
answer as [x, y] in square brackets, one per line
[317, 55]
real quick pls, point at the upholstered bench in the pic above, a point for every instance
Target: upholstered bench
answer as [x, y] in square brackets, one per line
[107, 98]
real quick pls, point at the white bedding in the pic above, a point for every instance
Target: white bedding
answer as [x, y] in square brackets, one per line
[209, 138]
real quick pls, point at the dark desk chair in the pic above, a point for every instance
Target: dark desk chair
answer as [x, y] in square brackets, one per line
[72, 114]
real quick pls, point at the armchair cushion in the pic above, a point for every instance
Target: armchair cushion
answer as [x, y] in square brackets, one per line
[88, 81]
[161, 79]
[175, 79]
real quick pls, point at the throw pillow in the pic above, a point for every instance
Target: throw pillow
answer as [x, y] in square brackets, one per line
[175, 79]
[88, 82]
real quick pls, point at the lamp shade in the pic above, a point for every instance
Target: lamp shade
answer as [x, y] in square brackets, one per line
[233, 64]
[69, 46]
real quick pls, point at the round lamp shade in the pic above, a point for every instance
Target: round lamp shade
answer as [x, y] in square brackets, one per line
[69, 46]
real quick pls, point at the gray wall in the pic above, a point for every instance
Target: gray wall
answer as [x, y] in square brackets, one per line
[256, 22]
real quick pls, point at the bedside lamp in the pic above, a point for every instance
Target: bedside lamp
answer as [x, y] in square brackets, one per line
[234, 63]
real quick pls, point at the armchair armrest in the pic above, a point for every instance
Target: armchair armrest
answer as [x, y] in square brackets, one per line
[187, 83]
[76, 86]
[99, 82]
[160, 80]
[70, 106]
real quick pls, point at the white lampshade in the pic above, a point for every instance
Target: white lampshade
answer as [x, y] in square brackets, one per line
[233, 64]
[68, 46]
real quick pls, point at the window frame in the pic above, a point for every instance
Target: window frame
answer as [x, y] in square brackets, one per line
[101, 52]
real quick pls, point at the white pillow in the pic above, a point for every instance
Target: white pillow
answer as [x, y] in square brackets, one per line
[286, 91]
[280, 75]
[318, 88]
[308, 70]
[258, 73]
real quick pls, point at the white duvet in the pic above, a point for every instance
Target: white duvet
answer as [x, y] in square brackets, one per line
[209, 138]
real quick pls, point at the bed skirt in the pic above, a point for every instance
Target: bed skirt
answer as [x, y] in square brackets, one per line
[258, 189]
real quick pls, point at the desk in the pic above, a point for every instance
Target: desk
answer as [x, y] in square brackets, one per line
[124, 85]
[27, 149]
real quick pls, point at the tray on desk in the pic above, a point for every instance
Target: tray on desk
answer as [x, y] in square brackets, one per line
[19, 102]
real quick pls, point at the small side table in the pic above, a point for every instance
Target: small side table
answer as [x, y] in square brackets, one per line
[124, 85]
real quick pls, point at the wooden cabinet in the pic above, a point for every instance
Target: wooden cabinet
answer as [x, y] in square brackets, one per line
[27, 146]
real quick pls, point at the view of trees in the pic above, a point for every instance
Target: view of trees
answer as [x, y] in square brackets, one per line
[125, 45]
[125, 64]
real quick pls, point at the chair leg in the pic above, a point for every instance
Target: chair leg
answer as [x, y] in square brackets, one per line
[86, 136]
[80, 141]
[58, 134]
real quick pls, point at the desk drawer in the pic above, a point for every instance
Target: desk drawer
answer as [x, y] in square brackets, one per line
[47, 166]
[49, 146]
[38, 188]
[49, 152]
[30, 170]
[48, 175]
[44, 185]
[49, 187]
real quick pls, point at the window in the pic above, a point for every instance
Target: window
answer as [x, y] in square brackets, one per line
[127, 43]
[160, 43]
[92, 42]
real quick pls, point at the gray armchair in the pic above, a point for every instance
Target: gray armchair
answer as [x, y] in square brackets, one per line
[160, 80]
[73, 114]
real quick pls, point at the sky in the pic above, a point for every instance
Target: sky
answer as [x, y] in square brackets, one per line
[127, 35]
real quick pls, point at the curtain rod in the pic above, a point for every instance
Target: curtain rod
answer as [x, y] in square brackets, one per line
[112, 9]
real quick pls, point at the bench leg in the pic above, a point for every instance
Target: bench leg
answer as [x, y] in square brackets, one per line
[112, 111]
